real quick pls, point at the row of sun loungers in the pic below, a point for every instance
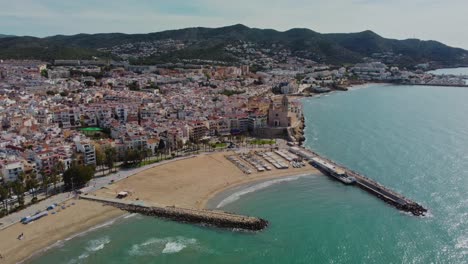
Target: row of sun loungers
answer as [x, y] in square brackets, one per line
[273, 159]
[239, 164]
[287, 155]
[257, 163]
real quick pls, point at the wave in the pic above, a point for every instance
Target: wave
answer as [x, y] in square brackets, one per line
[105, 224]
[98, 244]
[237, 195]
[61, 243]
[157, 246]
[173, 247]
[93, 246]
[130, 215]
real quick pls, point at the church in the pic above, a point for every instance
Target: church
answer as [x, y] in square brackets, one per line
[278, 113]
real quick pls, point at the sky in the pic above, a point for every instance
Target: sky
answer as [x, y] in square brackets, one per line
[441, 20]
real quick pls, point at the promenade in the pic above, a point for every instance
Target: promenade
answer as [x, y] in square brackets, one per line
[94, 184]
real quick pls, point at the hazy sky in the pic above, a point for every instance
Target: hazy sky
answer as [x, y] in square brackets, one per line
[442, 20]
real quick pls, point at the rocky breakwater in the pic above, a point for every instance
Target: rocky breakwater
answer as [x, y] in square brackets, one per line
[203, 217]
[194, 216]
[399, 201]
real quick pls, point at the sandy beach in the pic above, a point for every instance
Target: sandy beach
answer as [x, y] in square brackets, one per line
[192, 182]
[188, 183]
[52, 228]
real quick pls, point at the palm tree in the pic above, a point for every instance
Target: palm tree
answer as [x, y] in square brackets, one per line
[100, 158]
[45, 181]
[31, 183]
[4, 197]
[57, 169]
[148, 153]
[9, 188]
[54, 179]
[110, 157]
[18, 190]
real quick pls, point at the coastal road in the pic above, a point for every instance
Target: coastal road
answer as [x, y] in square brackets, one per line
[94, 184]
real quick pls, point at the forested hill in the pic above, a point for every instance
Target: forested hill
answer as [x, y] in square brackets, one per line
[212, 44]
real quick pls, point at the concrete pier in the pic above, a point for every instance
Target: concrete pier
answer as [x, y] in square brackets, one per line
[203, 217]
[342, 173]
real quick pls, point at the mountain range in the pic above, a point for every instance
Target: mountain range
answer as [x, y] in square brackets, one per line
[210, 43]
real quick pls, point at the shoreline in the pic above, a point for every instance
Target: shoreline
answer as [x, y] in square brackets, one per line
[210, 203]
[50, 231]
[207, 204]
[191, 188]
[215, 200]
[109, 222]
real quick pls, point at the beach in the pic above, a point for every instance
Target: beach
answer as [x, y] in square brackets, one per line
[187, 183]
[190, 183]
[50, 229]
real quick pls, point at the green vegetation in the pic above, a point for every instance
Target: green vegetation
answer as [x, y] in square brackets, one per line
[77, 176]
[89, 129]
[219, 145]
[44, 73]
[262, 142]
[299, 78]
[110, 156]
[202, 51]
[209, 44]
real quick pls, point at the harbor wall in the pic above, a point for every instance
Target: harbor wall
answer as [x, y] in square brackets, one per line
[395, 199]
[203, 217]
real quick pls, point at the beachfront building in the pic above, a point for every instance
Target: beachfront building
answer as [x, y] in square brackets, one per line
[11, 170]
[88, 151]
[257, 121]
[45, 159]
[197, 131]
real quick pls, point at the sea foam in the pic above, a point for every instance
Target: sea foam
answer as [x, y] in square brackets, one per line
[237, 195]
[157, 246]
[91, 247]
[173, 247]
[98, 244]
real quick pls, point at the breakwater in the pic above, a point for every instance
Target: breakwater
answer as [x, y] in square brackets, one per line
[203, 217]
[348, 176]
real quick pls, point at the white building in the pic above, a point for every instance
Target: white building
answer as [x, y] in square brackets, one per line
[88, 150]
[11, 170]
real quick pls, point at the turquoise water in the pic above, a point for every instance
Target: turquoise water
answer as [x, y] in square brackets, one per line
[413, 139]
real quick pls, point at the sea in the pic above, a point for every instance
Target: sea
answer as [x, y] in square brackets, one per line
[413, 139]
[451, 71]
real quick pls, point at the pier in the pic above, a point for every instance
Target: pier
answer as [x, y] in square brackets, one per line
[350, 177]
[202, 217]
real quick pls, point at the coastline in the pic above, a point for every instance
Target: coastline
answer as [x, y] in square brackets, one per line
[223, 196]
[179, 183]
[104, 223]
[208, 200]
[45, 233]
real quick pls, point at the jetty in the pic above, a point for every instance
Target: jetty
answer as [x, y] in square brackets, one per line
[349, 177]
[218, 219]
